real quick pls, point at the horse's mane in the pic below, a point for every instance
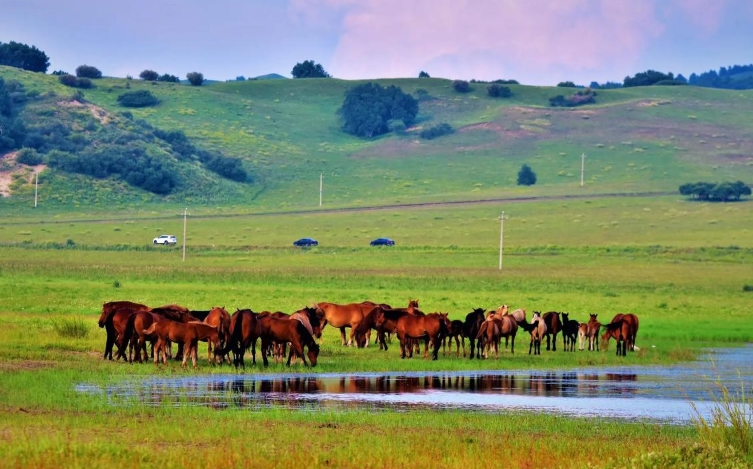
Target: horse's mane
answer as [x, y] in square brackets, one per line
[199, 315]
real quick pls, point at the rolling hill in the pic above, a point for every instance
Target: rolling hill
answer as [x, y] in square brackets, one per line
[287, 133]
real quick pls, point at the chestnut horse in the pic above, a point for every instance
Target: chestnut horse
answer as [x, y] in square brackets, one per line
[134, 333]
[342, 316]
[244, 332]
[383, 319]
[188, 334]
[493, 329]
[622, 331]
[592, 332]
[553, 327]
[286, 330]
[471, 326]
[633, 320]
[582, 336]
[569, 332]
[218, 318]
[431, 327]
[115, 322]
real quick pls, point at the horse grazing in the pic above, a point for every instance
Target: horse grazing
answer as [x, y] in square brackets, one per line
[632, 319]
[537, 329]
[244, 332]
[286, 330]
[134, 333]
[592, 332]
[456, 332]
[622, 331]
[569, 332]
[218, 318]
[471, 326]
[342, 316]
[553, 327]
[430, 327]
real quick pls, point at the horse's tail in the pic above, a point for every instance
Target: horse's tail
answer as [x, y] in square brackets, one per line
[151, 329]
[128, 331]
[482, 330]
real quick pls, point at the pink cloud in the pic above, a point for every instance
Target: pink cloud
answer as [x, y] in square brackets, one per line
[704, 14]
[486, 39]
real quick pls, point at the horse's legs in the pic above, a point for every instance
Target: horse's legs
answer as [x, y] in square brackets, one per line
[548, 344]
[530, 346]
[554, 342]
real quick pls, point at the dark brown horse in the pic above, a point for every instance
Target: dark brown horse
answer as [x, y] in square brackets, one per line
[456, 332]
[553, 327]
[134, 333]
[383, 319]
[218, 318]
[569, 332]
[115, 322]
[244, 332]
[471, 326]
[431, 328]
[286, 330]
[112, 306]
[632, 319]
[621, 331]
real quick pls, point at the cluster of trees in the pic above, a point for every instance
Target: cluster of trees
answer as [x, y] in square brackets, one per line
[436, 131]
[652, 77]
[579, 98]
[12, 129]
[371, 109]
[496, 90]
[736, 77]
[74, 82]
[498, 82]
[309, 69]
[151, 75]
[88, 71]
[140, 98]
[15, 54]
[710, 191]
[183, 149]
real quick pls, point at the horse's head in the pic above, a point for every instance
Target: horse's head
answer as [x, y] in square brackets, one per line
[502, 310]
[536, 315]
[565, 318]
[313, 353]
[593, 317]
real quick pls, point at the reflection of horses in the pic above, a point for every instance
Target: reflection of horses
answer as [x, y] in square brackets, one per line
[431, 327]
[456, 332]
[244, 331]
[342, 316]
[553, 327]
[537, 329]
[569, 332]
[471, 326]
[623, 329]
[592, 332]
[286, 330]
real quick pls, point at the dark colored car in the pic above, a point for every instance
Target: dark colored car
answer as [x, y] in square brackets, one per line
[306, 242]
[382, 242]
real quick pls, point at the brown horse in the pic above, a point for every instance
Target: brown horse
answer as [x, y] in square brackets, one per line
[431, 327]
[112, 306]
[187, 334]
[218, 318]
[537, 329]
[471, 326]
[493, 329]
[632, 319]
[592, 332]
[286, 330]
[244, 332]
[582, 336]
[134, 333]
[569, 332]
[115, 322]
[456, 332]
[553, 327]
[383, 319]
[622, 331]
[342, 316]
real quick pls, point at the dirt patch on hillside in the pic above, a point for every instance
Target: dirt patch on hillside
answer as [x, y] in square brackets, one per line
[100, 114]
[9, 170]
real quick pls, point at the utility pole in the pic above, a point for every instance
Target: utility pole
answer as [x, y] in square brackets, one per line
[582, 167]
[185, 217]
[321, 181]
[502, 219]
[36, 188]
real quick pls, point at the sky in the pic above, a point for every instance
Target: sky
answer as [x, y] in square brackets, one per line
[537, 42]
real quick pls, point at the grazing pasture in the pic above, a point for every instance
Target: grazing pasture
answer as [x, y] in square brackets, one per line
[684, 277]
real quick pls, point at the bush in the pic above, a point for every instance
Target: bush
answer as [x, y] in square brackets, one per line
[747, 288]
[68, 80]
[84, 83]
[140, 98]
[579, 98]
[566, 84]
[526, 176]
[29, 157]
[149, 75]
[461, 86]
[195, 78]
[498, 91]
[87, 71]
[423, 74]
[369, 108]
[168, 78]
[309, 69]
[436, 131]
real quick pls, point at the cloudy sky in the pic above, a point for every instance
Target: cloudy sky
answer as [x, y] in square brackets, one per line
[540, 42]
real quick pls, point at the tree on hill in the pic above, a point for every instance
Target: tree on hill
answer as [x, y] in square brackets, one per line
[88, 71]
[15, 54]
[566, 84]
[526, 176]
[498, 91]
[369, 108]
[461, 86]
[647, 78]
[140, 98]
[309, 69]
[710, 191]
[168, 78]
[149, 75]
[195, 78]
[423, 74]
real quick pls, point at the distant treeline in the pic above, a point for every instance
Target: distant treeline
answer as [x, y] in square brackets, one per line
[714, 192]
[735, 77]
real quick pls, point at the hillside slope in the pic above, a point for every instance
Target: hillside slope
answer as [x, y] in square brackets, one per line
[287, 133]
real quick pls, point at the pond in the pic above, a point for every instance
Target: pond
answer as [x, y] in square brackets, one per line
[663, 393]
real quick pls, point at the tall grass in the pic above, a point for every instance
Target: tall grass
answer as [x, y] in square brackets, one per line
[76, 328]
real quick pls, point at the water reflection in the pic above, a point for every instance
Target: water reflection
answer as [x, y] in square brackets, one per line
[630, 392]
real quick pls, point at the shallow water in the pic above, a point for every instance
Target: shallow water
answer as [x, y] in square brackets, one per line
[632, 392]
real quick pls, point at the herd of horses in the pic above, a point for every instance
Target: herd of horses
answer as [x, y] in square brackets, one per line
[129, 326]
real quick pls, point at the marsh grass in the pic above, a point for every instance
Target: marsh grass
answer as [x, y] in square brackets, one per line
[75, 328]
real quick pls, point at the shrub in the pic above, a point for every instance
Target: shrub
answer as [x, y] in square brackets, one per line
[68, 80]
[461, 86]
[436, 131]
[71, 328]
[57, 73]
[84, 83]
[195, 78]
[747, 288]
[498, 91]
[149, 75]
[368, 109]
[168, 78]
[29, 157]
[87, 71]
[566, 84]
[140, 98]
[579, 98]
[309, 69]
[423, 74]
[526, 176]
